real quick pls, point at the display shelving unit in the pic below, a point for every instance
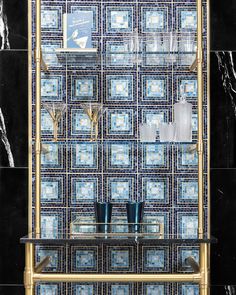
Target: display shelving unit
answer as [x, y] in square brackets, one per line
[33, 273]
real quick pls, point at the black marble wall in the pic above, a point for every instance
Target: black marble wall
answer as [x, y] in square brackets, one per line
[223, 169]
[223, 24]
[13, 144]
[223, 144]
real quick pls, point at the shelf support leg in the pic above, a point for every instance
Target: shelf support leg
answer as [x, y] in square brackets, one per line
[38, 55]
[204, 284]
[29, 268]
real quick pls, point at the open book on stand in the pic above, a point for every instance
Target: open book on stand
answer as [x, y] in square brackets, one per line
[77, 29]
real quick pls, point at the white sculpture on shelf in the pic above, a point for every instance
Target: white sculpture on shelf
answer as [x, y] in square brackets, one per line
[183, 119]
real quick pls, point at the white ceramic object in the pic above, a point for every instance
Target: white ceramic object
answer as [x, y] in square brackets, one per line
[167, 132]
[183, 121]
[148, 132]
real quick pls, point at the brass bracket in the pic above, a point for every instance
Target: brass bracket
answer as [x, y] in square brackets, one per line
[193, 67]
[192, 148]
[199, 55]
[193, 263]
[42, 264]
[38, 57]
[38, 147]
[200, 147]
[198, 59]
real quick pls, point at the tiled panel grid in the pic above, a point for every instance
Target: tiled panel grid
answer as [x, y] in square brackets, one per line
[117, 168]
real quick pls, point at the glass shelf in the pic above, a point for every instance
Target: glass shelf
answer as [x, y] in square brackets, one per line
[157, 49]
[100, 238]
[93, 58]
[111, 141]
[114, 233]
[88, 56]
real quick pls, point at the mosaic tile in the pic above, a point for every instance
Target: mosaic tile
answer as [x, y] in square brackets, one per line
[187, 289]
[184, 252]
[186, 17]
[154, 19]
[120, 189]
[80, 122]
[46, 122]
[119, 88]
[51, 224]
[51, 19]
[155, 88]
[187, 84]
[52, 87]
[84, 87]
[120, 259]
[53, 157]
[84, 259]
[84, 156]
[119, 121]
[189, 88]
[116, 289]
[186, 159]
[55, 254]
[155, 289]
[118, 19]
[155, 189]
[84, 189]
[52, 190]
[187, 225]
[119, 155]
[186, 190]
[154, 156]
[47, 289]
[155, 259]
[84, 289]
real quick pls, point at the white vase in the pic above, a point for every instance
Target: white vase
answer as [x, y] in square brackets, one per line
[183, 121]
[148, 132]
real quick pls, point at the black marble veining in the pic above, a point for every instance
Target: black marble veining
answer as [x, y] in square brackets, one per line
[223, 119]
[14, 105]
[15, 19]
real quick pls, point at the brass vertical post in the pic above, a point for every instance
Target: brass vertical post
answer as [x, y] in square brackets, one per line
[29, 269]
[200, 118]
[204, 288]
[38, 57]
[29, 116]
[204, 284]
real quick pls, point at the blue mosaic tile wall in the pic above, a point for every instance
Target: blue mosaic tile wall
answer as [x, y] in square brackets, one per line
[117, 167]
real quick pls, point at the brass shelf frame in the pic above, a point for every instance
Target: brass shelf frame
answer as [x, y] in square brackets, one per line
[32, 274]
